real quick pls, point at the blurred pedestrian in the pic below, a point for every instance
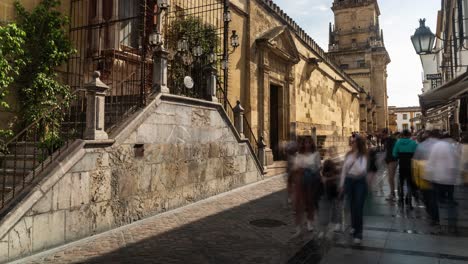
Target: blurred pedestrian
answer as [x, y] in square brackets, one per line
[329, 212]
[353, 183]
[307, 183]
[291, 150]
[443, 168]
[464, 158]
[403, 151]
[421, 178]
[389, 143]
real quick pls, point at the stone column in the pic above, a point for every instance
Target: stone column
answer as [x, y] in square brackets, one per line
[96, 96]
[239, 118]
[160, 70]
[211, 84]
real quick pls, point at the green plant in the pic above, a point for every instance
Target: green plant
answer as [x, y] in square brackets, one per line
[11, 62]
[46, 47]
[197, 33]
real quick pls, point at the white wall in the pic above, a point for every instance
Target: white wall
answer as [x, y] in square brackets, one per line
[400, 121]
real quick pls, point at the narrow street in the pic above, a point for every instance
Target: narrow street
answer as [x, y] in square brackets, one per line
[254, 225]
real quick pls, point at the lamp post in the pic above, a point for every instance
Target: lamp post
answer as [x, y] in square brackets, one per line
[423, 39]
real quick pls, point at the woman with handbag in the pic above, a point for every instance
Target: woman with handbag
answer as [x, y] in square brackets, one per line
[353, 184]
[307, 183]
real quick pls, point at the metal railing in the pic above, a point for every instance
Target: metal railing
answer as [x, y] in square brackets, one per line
[29, 152]
[248, 132]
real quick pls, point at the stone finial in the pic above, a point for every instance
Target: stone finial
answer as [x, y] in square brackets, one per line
[238, 108]
[96, 84]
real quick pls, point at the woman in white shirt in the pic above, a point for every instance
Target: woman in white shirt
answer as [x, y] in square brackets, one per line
[353, 183]
[306, 167]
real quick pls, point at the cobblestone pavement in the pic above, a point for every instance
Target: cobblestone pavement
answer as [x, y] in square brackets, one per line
[217, 230]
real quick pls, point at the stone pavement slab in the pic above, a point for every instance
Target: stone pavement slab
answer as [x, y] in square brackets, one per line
[393, 235]
[216, 230]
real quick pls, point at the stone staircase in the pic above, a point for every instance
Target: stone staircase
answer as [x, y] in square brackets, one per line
[17, 166]
[277, 168]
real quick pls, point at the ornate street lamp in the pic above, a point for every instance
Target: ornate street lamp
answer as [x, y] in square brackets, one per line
[234, 40]
[423, 39]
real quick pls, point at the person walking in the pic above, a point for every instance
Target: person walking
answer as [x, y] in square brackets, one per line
[426, 143]
[353, 183]
[403, 151]
[443, 167]
[307, 182]
[389, 143]
[329, 212]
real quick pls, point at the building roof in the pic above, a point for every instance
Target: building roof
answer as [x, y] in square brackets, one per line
[355, 3]
[405, 109]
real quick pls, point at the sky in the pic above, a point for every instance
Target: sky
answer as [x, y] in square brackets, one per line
[399, 19]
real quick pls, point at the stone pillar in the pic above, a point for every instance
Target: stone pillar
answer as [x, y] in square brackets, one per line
[160, 70]
[211, 84]
[262, 151]
[239, 118]
[96, 96]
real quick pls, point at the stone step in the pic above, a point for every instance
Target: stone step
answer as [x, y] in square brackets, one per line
[23, 148]
[19, 161]
[7, 189]
[277, 168]
[13, 176]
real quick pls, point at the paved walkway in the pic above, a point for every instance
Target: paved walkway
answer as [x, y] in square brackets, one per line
[217, 230]
[253, 225]
[396, 236]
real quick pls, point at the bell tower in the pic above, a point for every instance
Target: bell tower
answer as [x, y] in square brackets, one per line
[356, 44]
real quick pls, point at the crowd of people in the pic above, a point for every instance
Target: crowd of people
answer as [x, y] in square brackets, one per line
[427, 164]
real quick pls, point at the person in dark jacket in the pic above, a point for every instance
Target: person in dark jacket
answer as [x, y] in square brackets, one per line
[403, 151]
[389, 143]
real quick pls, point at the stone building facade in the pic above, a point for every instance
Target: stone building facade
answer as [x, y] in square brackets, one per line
[286, 82]
[406, 118]
[357, 45]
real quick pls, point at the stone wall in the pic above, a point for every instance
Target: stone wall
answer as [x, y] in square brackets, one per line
[190, 153]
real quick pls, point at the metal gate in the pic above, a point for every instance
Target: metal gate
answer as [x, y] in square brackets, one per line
[195, 37]
[111, 36]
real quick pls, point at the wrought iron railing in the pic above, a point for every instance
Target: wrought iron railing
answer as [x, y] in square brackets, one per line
[113, 39]
[31, 150]
[195, 38]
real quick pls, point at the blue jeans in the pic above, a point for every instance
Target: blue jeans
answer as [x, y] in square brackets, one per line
[356, 192]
